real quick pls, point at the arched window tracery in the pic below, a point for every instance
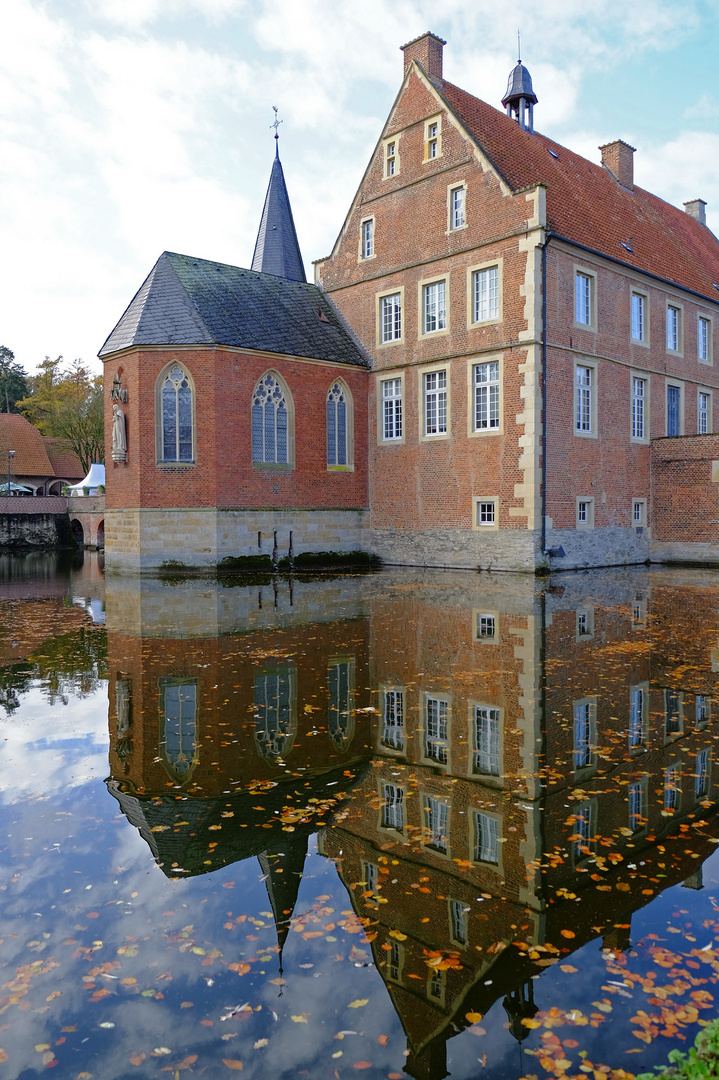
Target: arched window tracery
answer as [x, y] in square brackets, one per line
[176, 415]
[271, 422]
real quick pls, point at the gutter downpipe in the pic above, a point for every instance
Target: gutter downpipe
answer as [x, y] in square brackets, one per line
[548, 237]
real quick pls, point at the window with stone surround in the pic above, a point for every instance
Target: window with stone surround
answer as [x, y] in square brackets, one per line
[367, 246]
[435, 402]
[456, 207]
[272, 422]
[486, 396]
[391, 409]
[391, 318]
[485, 294]
[434, 307]
[639, 327]
[704, 412]
[674, 328]
[584, 299]
[339, 426]
[175, 411]
[704, 340]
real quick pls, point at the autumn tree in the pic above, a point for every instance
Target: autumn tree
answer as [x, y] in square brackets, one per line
[66, 402]
[13, 381]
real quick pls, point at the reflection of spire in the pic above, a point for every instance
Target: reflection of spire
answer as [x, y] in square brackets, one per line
[282, 866]
[519, 1005]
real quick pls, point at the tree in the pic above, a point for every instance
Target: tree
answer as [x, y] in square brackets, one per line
[68, 404]
[13, 381]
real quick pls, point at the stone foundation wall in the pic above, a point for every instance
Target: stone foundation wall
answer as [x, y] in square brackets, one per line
[20, 532]
[196, 539]
[462, 549]
[617, 546]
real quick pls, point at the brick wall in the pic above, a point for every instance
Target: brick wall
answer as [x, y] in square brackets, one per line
[685, 489]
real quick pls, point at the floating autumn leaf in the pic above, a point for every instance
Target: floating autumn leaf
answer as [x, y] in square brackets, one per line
[398, 935]
[299, 1019]
[356, 1004]
[260, 1043]
[137, 1058]
[240, 968]
[3, 1055]
[362, 1065]
[382, 1040]
[567, 933]
[232, 1063]
[473, 1017]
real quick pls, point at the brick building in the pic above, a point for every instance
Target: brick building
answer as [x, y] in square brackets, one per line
[507, 326]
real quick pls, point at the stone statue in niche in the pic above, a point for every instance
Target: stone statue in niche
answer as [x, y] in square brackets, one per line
[117, 393]
[119, 438]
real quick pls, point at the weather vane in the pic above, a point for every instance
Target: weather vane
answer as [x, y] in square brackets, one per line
[519, 51]
[276, 126]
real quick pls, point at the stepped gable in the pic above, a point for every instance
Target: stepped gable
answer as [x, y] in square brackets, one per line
[277, 250]
[586, 204]
[18, 434]
[189, 301]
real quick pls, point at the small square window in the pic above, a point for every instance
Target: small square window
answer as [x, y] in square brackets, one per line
[456, 208]
[368, 238]
[486, 627]
[485, 513]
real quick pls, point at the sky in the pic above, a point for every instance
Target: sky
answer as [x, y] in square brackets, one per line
[131, 127]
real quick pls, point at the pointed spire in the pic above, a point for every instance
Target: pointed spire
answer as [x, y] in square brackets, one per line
[282, 866]
[277, 250]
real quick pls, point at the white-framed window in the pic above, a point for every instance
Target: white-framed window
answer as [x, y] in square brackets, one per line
[485, 627]
[368, 238]
[583, 403]
[485, 294]
[392, 807]
[584, 831]
[585, 735]
[486, 740]
[370, 880]
[390, 315]
[457, 217]
[436, 712]
[435, 402]
[485, 512]
[673, 714]
[583, 298]
[395, 958]
[637, 799]
[704, 412]
[391, 158]
[639, 398]
[432, 138]
[436, 981]
[434, 307]
[486, 838]
[674, 328]
[585, 512]
[672, 785]
[458, 923]
[704, 340]
[175, 410]
[272, 428]
[638, 717]
[702, 711]
[702, 776]
[639, 513]
[339, 426]
[391, 409]
[486, 396]
[639, 328]
[393, 720]
[584, 623]
[436, 823]
[675, 409]
[639, 614]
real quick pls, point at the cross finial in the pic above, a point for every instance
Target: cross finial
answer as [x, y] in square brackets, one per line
[277, 134]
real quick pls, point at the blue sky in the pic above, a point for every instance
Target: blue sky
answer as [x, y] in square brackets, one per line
[129, 127]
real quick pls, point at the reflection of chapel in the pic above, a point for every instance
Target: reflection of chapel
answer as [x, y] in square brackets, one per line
[507, 361]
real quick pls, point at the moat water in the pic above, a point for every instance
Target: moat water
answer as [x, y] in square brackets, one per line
[408, 823]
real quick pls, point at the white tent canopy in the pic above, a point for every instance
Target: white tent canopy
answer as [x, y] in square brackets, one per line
[94, 479]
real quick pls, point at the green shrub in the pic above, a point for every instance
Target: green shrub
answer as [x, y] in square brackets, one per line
[701, 1063]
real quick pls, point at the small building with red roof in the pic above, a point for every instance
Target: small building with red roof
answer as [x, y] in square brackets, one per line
[37, 462]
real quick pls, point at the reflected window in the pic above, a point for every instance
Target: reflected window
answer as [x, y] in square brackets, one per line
[638, 708]
[672, 788]
[178, 727]
[702, 777]
[275, 708]
[486, 838]
[370, 879]
[435, 985]
[672, 713]
[702, 711]
[458, 929]
[436, 814]
[341, 718]
[584, 734]
[393, 720]
[392, 807]
[395, 957]
[176, 415]
[270, 422]
[637, 805]
[486, 740]
[486, 625]
[583, 830]
[435, 731]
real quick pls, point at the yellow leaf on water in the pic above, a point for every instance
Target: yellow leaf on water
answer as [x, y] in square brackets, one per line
[299, 1019]
[357, 1003]
[398, 935]
[232, 1063]
[473, 1017]
[42, 1047]
[528, 1022]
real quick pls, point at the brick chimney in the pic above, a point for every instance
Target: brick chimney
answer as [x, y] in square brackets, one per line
[427, 50]
[618, 157]
[697, 208]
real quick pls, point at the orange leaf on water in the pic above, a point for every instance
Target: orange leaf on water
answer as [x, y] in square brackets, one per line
[382, 1040]
[568, 933]
[137, 1059]
[362, 1065]
[232, 1063]
[241, 969]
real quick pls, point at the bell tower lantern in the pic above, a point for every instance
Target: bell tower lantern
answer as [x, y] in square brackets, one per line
[520, 99]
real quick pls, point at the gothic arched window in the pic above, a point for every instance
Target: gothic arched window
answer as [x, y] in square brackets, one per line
[275, 709]
[179, 742]
[272, 428]
[175, 413]
[339, 426]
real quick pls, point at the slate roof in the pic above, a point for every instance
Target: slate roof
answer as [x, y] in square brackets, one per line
[18, 434]
[277, 250]
[189, 301]
[587, 205]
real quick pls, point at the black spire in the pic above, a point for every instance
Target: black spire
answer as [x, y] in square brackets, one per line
[276, 250]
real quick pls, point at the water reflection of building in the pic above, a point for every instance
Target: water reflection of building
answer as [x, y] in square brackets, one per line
[526, 738]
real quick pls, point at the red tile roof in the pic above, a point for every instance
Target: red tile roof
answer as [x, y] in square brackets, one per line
[65, 464]
[587, 205]
[31, 459]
